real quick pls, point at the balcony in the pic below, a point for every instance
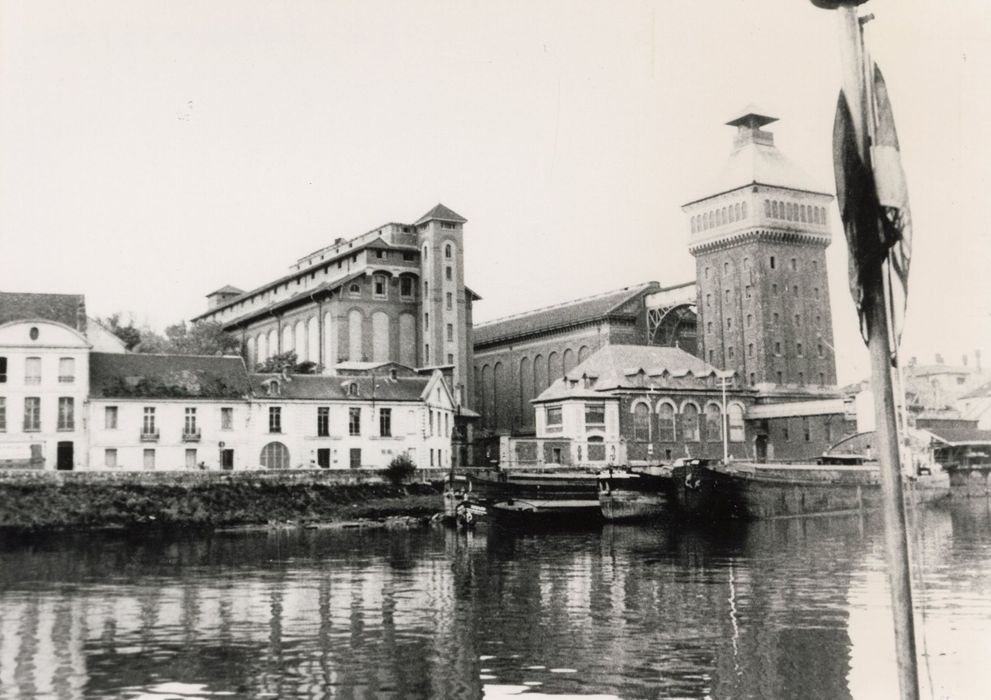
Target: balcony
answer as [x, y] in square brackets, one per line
[191, 435]
[149, 435]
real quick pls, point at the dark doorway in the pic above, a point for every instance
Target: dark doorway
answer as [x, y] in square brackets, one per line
[64, 458]
[760, 447]
[227, 460]
[355, 457]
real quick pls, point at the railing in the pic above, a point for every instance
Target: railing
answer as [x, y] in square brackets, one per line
[191, 435]
[149, 435]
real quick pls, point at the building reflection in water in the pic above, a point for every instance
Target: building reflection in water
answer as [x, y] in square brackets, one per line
[774, 609]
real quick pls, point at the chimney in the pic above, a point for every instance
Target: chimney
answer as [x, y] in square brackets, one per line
[939, 359]
[977, 359]
[964, 360]
[913, 361]
[81, 315]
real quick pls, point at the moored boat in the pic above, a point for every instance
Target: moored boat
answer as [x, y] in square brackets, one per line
[750, 491]
[535, 513]
[636, 494]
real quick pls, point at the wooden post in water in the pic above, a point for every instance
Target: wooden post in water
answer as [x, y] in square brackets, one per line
[855, 86]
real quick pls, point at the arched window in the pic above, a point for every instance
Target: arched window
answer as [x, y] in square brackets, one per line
[665, 422]
[736, 210]
[804, 214]
[736, 430]
[641, 423]
[275, 455]
[705, 221]
[767, 207]
[774, 210]
[424, 253]
[690, 422]
[743, 210]
[713, 423]
[447, 251]
[815, 215]
[723, 216]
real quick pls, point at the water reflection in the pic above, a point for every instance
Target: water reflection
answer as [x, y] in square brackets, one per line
[791, 608]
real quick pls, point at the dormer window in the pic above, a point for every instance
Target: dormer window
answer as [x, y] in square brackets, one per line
[354, 289]
[272, 387]
[352, 389]
[393, 374]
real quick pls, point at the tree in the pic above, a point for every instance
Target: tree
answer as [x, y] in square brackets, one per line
[201, 338]
[286, 363]
[400, 469]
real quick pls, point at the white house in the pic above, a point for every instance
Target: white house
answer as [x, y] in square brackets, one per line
[161, 412]
[359, 418]
[43, 389]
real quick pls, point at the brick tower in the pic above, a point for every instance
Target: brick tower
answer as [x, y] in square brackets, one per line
[759, 236]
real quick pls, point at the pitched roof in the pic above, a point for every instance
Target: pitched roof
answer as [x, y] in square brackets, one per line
[618, 367]
[137, 375]
[226, 289]
[570, 313]
[984, 390]
[290, 300]
[441, 213]
[758, 161]
[324, 387]
[961, 436]
[68, 309]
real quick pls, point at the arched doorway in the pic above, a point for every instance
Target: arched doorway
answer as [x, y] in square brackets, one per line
[275, 455]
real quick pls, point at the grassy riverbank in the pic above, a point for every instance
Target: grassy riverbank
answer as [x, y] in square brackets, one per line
[51, 501]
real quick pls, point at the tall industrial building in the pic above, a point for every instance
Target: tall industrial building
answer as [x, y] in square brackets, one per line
[759, 236]
[396, 293]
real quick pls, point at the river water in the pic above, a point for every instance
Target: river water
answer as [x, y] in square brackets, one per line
[780, 609]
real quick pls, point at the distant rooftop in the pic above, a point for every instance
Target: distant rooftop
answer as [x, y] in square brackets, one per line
[441, 213]
[569, 313]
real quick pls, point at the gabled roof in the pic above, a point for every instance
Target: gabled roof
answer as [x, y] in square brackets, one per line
[67, 309]
[570, 313]
[226, 289]
[441, 213]
[137, 375]
[327, 388]
[620, 367]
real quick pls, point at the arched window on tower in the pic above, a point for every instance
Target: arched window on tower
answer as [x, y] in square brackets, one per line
[447, 251]
[743, 210]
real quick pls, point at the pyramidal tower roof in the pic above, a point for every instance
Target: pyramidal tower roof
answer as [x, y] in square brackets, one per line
[755, 160]
[441, 213]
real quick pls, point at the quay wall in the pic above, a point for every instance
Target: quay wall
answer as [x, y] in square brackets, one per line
[46, 500]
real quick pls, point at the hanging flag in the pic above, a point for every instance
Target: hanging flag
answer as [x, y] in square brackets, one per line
[873, 205]
[892, 195]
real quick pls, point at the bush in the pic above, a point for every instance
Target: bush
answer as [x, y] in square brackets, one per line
[400, 469]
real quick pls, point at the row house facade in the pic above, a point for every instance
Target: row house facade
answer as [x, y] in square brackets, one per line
[65, 407]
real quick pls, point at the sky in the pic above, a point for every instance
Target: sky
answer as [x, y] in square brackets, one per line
[151, 152]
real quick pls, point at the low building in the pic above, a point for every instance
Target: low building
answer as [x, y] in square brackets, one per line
[358, 418]
[638, 405]
[163, 412]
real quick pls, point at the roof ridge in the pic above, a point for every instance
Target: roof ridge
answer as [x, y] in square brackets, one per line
[563, 304]
[167, 354]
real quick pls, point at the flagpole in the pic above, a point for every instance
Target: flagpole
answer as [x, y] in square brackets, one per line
[879, 345]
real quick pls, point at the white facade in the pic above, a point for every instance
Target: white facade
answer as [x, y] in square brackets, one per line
[168, 434]
[44, 384]
[352, 433]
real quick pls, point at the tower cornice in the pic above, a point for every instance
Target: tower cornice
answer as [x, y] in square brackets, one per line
[770, 235]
